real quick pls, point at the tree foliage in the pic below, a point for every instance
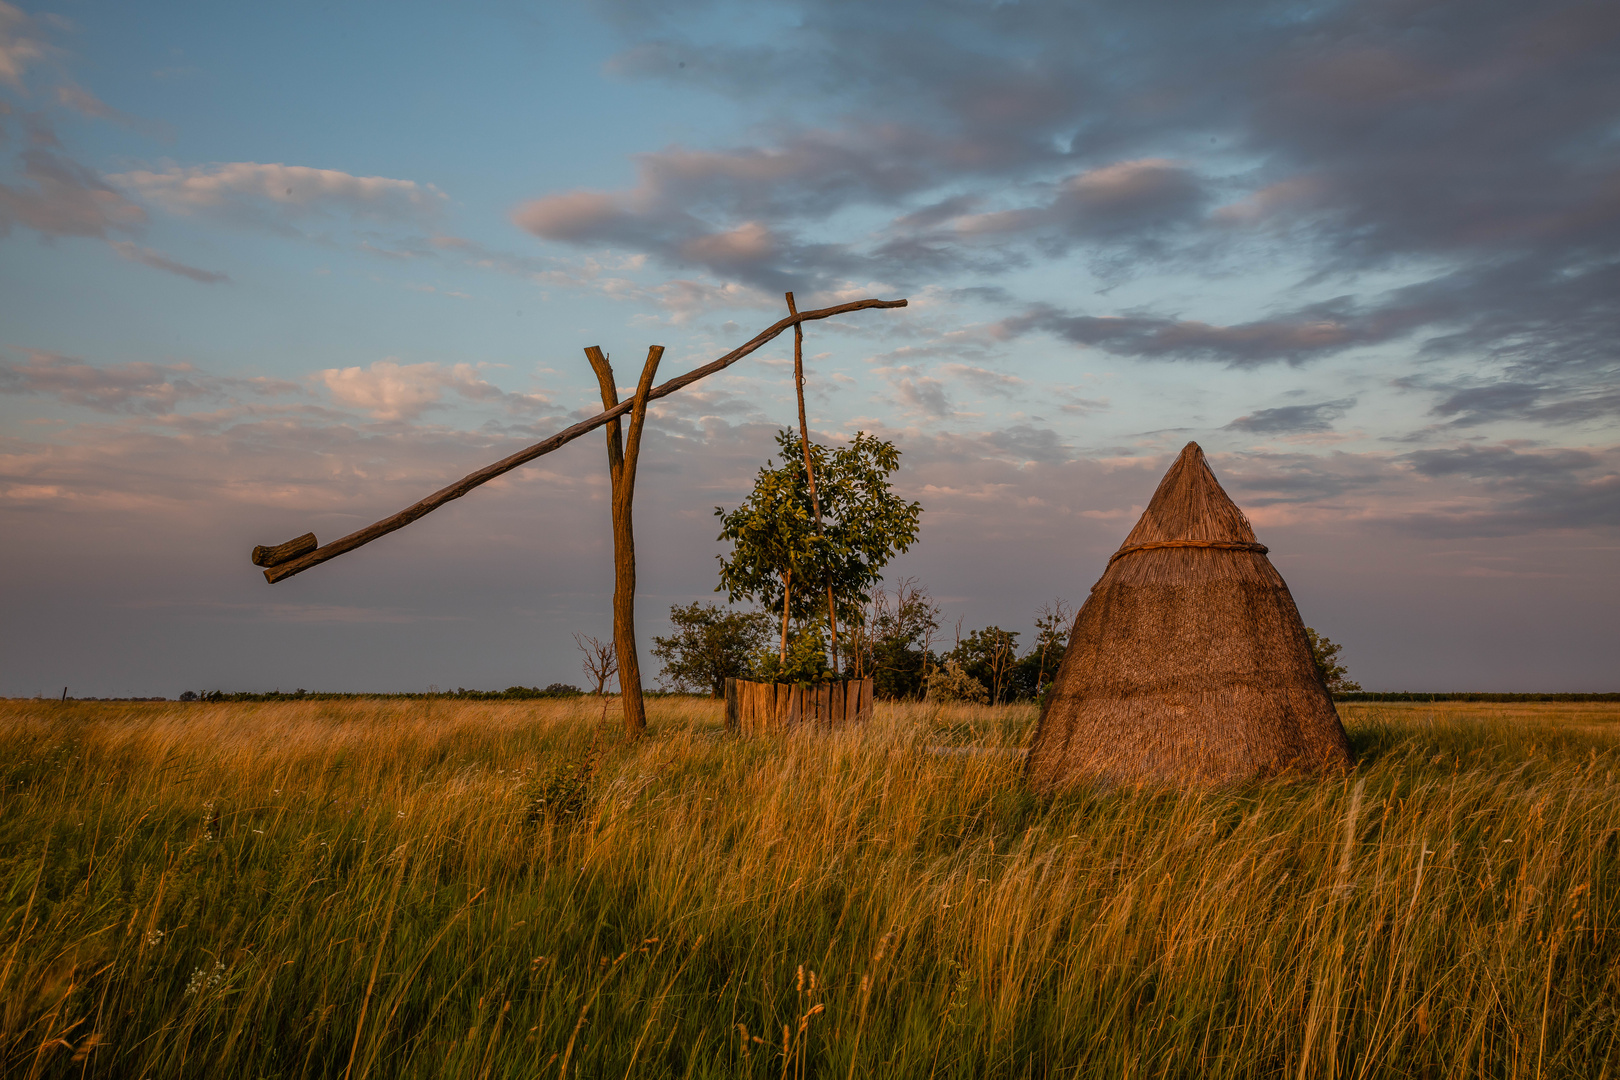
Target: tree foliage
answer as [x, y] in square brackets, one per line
[709, 644]
[806, 659]
[1034, 672]
[894, 640]
[1334, 675]
[952, 683]
[779, 558]
[989, 656]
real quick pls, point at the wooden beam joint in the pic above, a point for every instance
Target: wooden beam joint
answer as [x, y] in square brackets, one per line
[275, 555]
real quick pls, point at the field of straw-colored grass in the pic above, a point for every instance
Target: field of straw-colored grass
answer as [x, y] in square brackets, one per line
[434, 889]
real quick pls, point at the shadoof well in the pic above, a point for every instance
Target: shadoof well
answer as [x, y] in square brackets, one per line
[282, 561]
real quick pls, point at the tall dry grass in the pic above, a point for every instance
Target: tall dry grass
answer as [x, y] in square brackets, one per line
[501, 889]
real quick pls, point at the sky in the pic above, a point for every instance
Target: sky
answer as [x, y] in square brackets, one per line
[268, 269]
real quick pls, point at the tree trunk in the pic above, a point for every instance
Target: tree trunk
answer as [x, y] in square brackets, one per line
[787, 591]
[622, 457]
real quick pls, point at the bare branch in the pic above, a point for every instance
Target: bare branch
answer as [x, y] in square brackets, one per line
[601, 661]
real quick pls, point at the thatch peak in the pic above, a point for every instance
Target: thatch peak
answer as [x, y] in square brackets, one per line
[1190, 504]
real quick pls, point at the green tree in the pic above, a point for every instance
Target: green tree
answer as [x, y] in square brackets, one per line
[709, 645]
[1053, 622]
[989, 656]
[806, 659]
[1334, 675]
[778, 557]
[951, 683]
[894, 638]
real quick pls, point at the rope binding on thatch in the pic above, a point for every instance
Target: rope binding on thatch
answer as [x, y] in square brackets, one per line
[1224, 545]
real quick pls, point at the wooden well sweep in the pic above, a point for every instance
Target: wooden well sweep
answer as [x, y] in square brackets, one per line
[754, 708]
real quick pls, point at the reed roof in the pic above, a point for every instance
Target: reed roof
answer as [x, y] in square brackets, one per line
[1188, 663]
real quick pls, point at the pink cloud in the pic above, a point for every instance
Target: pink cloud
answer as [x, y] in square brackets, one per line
[389, 390]
[257, 193]
[65, 199]
[22, 43]
[159, 261]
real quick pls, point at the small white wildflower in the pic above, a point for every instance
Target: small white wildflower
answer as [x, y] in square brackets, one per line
[202, 979]
[154, 937]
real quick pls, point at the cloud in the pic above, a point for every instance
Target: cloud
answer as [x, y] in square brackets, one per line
[1502, 463]
[137, 387]
[389, 390]
[159, 261]
[1464, 491]
[1127, 199]
[64, 198]
[919, 393]
[276, 196]
[1293, 338]
[22, 42]
[85, 103]
[1555, 398]
[1290, 419]
[984, 380]
[1521, 490]
[729, 212]
[1466, 148]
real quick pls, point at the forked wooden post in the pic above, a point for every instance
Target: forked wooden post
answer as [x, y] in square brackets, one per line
[622, 456]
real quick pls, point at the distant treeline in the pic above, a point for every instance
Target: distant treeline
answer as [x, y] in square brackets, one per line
[511, 693]
[1407, 696]
[564, 690]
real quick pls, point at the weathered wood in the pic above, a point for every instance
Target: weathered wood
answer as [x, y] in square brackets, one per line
[264, 555]
[750, 708]
[546, 446]
[763, 708]
[809, 464]
[766, 720]
[623, 453]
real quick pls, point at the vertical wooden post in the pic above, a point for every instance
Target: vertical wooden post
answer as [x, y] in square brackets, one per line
[809, 469]
[622, 456]
[733, 721]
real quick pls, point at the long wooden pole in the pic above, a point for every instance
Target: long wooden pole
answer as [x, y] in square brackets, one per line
[546, 446]
[622, 458]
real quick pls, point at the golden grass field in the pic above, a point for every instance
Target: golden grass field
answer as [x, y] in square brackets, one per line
[429, 888]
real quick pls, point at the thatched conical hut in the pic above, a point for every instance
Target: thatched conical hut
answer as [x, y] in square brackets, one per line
[1188, 663]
